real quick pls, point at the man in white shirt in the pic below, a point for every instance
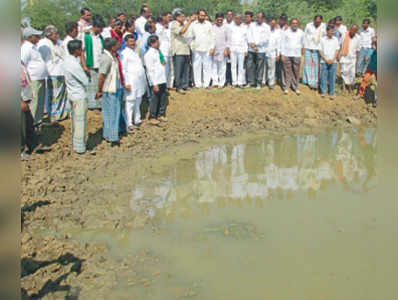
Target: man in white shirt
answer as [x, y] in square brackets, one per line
[53, 55]
[37, 70]
[272, 53]
[292, 48]
[135, 82]
[71, 34]
[366, 34]
[84, 22]
[220, 51]
[164, 34]
[258, 37]
[328, 52]
[106, 32]
[76, 84]
[348, 57]
[313, 33]
[141, 21]
[238, 49]
[340, 27]
[203, 43]
[156, 72]
[229, 20]
[93, 47]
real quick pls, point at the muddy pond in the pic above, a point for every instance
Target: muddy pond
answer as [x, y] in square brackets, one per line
[277, 217]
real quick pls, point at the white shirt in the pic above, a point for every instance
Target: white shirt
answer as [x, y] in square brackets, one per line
[164, 35]
[134, 74]
[274, 43]
[366, 37]
[140, 25]
[53, 56]
[329, 47]
[97, 50]
[312, 36]
[65, 42]
[202, 35]
[156, 72]
[33, 61]
[292, 42]
[352, 50]
[259, 35]
[237, 39]
[343, 30]
[106, 32]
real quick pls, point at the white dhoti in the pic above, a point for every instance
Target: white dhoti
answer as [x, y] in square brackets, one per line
[202, 68]
[238, 71]
[219, 69]
[271, 69]
[133, 112]
[347, 71]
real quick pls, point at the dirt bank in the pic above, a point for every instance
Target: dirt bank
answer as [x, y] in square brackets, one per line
[64, 192]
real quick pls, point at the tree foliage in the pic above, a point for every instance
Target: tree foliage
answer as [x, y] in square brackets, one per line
[58, 12]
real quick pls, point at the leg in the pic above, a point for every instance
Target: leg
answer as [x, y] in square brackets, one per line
[287, 74]
[332, 79]
[360, 62]
[79, 116]
[241, 69]
[207, 61]
[228, 75]
[37, 103]
[137, 111]
[129, 108]
[260, 68]
[186, 71]
[178, 64]
[197, 68]
[234, 68]
[324, 78]
[162, 100]
[154, 108]
[296, 61]
[222, 72]
[214, 72]
[251, 68]
[271, 64]
[307, 66]
[171, 73]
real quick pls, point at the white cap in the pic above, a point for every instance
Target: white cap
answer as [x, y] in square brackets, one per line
[29, 31]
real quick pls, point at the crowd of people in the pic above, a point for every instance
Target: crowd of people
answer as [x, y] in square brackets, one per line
[116, 67]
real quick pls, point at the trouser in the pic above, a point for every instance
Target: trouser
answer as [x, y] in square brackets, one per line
[271, 67]
[78, 125]
[237, 68]
[181, 71]
[133, 111]
[169, 71]
[228, 73]
[279, 72]
[159, 102]
[328, 78]
[365, 82]
[347, 71]
[291, 73]
[219, 72]
[255, 68]
[28, 135]
[202, 68]
[37, 103]
[92, 90]
[111, 113]
[363, 60]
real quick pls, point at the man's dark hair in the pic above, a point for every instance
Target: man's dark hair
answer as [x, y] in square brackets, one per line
[148, 26]
[74, 45]
[248, 12]
[129, 23]
[318, 16]
[109, 43]
[117, 23]
[98, 21]
[339, 18]
[367, 20]
[70, 26]
[219, 15]
[178, 13]
[294, 19]
[152, 39]
[199, 10]
[121, 14]
[332, 21]
[330, 26]
[143, 9]
[129, 36]
[262, 14]
[273, 19]
[83, 10]
[283, 17]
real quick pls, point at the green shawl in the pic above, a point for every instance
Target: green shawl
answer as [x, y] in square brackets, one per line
[88, 45]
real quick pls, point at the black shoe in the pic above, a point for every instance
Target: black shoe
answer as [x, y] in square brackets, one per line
[115, 144]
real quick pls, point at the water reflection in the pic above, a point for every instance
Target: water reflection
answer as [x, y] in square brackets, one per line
[272, 168]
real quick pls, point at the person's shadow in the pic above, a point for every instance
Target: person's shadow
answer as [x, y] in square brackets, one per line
[30, 266]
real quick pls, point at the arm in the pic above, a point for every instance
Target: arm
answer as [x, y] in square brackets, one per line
[186, 26]
[150, 67]
[101, 80]
[125, 70]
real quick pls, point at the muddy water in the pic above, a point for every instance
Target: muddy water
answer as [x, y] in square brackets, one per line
[286, 217]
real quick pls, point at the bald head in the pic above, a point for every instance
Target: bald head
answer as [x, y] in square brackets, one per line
[353, 30]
